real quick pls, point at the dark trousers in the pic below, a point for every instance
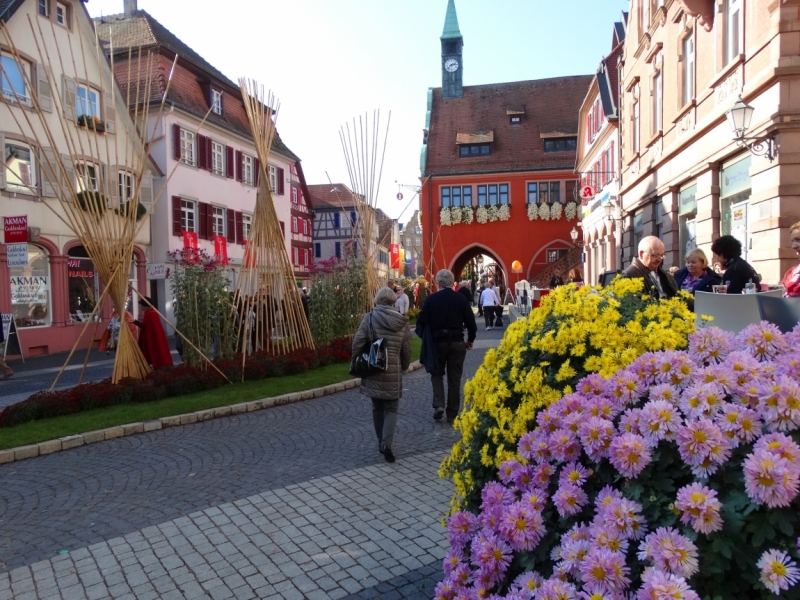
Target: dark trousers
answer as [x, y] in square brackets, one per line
[450, 356]
[384, 417]
[488, 315]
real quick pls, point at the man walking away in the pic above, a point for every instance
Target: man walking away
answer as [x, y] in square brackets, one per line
[464, 290]
[647, 266]
[447, 313]
[480, 305]
[489, 301]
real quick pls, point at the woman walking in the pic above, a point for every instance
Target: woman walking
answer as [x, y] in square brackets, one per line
[385, 388]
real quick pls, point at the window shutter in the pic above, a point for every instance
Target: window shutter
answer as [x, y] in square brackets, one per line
[231, 228]
[49, 172]
[69, 171]
[238, 163]
[239, 227]
[146, 189]
[202, 142]
[210, 221]
[283, 230]
[111, 117]
[204, 235]
[613, 161]
[209, 155]
[176, 215]
[2, 168]
[176, 141]
[113, 192]
[229, 164]
[68, 87]
[257, 171]
[43, 92]
[603, 170]
[280, 182]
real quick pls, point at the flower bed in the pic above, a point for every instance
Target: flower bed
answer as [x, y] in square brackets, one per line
[171, 381]
[572, 333]
[675, 478]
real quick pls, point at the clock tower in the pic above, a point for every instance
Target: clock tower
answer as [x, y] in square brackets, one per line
[452, 56]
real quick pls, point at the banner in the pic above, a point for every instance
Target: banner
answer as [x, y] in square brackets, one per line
[189, 239]
[17, 255]
[395, 251]
[29, 290]
[15, 230]
[249, 259]
[220, 249]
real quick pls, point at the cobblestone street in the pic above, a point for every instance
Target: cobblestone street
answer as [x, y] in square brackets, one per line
[289, 502]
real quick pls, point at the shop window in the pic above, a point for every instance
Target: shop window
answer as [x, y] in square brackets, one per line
[687, 215]
[30, 290]
[20, 168]
[83, 284]
[638, 231]
[735, 192]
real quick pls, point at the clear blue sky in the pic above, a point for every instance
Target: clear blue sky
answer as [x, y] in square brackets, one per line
[328, 61]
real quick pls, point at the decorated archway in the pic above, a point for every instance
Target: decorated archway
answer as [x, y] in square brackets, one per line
[494, 264]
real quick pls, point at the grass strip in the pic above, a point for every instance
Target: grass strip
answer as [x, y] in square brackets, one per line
[57, 427]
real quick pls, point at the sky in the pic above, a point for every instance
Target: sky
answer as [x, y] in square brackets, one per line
[332, 61]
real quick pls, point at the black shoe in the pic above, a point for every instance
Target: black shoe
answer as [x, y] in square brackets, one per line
[387, 454]
[438, 413]
[451, 419]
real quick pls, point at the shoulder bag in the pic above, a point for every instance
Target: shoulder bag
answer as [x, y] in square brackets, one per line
[372, 358]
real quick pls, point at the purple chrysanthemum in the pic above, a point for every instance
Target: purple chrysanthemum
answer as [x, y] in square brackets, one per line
[595, 435]
[522, 526]
[631, 421]
[670, 551]
[770, 479]
[630, 454]
[495, 494]
[779, 403]
[491, 555]
[659, 585]
[762, 340]
[674, 367]
[710, 345]
[526, 584]
[665, 392]
[460, 528]
[660, 420]
[573, 472]
[626, 387]
[739, 424]
[700, 508]
[778, 571]
[569, 499]
[535, 498]
[564, 445]
[507, 470]
[604, 567]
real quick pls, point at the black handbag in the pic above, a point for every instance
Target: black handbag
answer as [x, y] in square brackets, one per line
[373, 357]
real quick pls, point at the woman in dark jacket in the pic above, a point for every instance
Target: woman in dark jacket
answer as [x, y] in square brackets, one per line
[696, 276]
[385, 388]
[727, 251]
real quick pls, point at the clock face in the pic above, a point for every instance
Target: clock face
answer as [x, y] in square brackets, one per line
[451, 65]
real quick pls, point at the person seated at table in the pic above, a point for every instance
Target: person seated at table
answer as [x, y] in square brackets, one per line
[696, 276]
[727, 251]
[791, 280]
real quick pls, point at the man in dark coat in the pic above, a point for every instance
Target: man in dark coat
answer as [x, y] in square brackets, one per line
[647, 266]
[152, 339]
[448, 313]
[464, 290]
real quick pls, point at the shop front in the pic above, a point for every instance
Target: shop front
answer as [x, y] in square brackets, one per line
[734, 199]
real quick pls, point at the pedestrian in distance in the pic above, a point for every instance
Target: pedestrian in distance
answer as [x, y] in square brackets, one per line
[727, 250]
[647, 266]
[574, 276]
[306, 304]
[401, 303]
[4, 368]
[152, 339]
[480, 304]
[385, 388]
[556, 279]
[447, 314]
[490, 302]
[463, 289]
[791, 280]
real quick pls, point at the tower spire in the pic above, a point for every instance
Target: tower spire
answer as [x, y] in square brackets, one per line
[451, 22]
[452, 56]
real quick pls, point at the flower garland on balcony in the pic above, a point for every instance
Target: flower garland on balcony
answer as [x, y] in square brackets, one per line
[548, 212]
[454, 215]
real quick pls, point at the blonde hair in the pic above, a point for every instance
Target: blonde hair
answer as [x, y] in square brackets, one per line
[699, 254]
[795, 227]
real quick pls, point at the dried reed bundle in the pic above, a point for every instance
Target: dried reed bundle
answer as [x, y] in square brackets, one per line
[270, 308]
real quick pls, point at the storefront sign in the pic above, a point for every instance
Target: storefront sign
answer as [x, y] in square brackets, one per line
[395, 252]
[17, 255]
[157, 271]
[221, 249]
[80, 267]
[688, 200]
[29, 290]
[15, 230]
[735, 177]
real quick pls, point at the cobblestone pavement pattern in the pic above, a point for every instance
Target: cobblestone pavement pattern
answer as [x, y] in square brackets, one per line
[288, 502]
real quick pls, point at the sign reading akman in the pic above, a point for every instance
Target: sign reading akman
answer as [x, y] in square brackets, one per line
[29, 290]
[15, 230]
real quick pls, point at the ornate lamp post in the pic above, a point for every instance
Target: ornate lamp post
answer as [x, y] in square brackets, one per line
[574, 235]
[739, 118]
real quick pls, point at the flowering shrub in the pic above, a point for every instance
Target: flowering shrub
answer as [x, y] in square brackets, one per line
[675, 478]
[575, 331]
[172, 381]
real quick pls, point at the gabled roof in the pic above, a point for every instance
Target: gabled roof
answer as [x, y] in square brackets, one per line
[385, 227]
[608, 82]
[550, 110]
[8, 8]
[331, 195]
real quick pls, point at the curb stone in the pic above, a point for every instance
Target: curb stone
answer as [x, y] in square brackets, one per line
[110, 433]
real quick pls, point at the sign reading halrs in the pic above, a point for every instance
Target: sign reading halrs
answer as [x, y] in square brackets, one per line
[29, 290]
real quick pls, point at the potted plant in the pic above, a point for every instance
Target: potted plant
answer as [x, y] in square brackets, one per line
[91, 122]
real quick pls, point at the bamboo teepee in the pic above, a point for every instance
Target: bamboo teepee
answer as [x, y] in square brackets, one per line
[361, 147]
[267, 299]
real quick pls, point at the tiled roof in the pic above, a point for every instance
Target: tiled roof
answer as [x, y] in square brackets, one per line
[330, 195]
[8, 7]
[550, 105]
[608, 82]
[385, 227]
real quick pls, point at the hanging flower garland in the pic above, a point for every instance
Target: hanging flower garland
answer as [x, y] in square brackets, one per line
[571, 211]
[555, 211]
[544, 212]
[466, 215]
[533, 211]
[482, 215]
[444, 217]
[504, 213]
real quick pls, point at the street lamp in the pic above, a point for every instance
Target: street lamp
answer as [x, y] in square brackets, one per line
[574, 235]
[739, 118]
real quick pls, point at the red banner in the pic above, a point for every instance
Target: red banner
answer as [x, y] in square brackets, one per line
[189, 239]
[15, 230]
[395, 250]
[249, 259]
[221, 249]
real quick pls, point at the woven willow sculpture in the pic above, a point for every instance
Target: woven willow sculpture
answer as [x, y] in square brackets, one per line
[365, 168]
[269, 305]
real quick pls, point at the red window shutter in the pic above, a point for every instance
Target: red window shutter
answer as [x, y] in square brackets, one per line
[209, 158]
[202, 142]
[238, 163]
[230, 170]
[280, 182]
[239, 227]
[204, 233]
[210, 221]
[257, 171]
[176, 215]
[613, 158]
[603, 169]
[231, 214]
[176, 141]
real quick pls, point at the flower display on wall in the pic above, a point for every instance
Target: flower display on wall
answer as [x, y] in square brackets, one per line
[556, 211]
[544, 212]
[571, 211]
[467, 216]
[533, 212]
[552, 212]
[482, 215]
[444, 217]
[503, 213]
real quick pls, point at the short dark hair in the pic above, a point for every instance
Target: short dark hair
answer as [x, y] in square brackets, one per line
[727, 246]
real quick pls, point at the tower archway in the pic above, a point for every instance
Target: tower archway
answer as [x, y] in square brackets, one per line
[492, 263]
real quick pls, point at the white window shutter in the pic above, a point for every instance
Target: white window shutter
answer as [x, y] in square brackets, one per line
[49, 171]
[43, 92]
[109, 112]
[69, 169]
[3, 166]
[69, 91]
[114, 196]
[146, 189]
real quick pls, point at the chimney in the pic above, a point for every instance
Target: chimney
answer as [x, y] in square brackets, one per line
[130, 7]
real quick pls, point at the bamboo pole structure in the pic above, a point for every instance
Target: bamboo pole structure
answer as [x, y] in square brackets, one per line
[270, 308]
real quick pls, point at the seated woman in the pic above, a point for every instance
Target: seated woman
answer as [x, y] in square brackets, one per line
[791, 280]
[696, 276]
[727, 251]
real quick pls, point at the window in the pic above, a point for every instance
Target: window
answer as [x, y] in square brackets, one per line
[474, 150]
[20, 168]
[62, 14]
[317, 250]
[188, 215]
[294, 195]
[247, 222]
[532, 196]
[571, 189]
[30, 290]
[504, 193]
[13, 76]
[216, 101]
[554, 255]
[305, 227]
[338, 249]
[688, 69]
[635, 128]
[295, 257]
[516, 120]
[83, 284]
[295, 229]
[86, 177]
[658, 101]
[733, 29]
[561, 145]
[273, 179]
[418, 242]
[638, 230]
[218, 216]
[659, 208]
[44, 8]
[337, 223]
[353, 218]
[247, 169]
[493, 194]
[217, 158]
[187, 147]
[126, 184]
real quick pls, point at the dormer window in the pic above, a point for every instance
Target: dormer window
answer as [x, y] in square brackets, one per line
[567, 144]
[474, 150]
[516, 120]
[216, 101]
[474, 144]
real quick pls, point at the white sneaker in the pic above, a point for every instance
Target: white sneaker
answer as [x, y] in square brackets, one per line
[488, 328]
